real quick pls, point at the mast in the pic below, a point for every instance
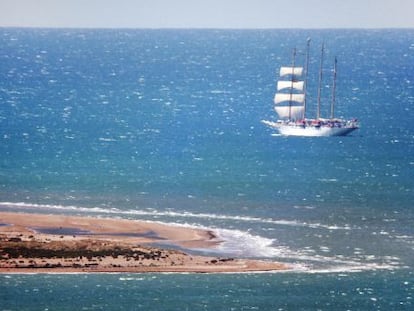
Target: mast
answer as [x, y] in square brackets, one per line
[333, 90]
[318, 113]
[306, 76]
[292, 80]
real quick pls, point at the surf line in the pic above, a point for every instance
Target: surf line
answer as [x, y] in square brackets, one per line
[174, 214]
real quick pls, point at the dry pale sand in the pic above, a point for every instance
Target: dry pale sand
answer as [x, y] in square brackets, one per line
[60, 243]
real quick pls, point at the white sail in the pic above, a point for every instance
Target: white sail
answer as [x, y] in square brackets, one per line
[281, 97]
[281, 85]
[292, 112]
[295, 71]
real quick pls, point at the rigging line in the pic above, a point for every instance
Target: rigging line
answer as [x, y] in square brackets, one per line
[318, 113]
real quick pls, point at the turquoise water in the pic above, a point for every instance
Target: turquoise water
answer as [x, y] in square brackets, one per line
[164, 125]
[287, 291]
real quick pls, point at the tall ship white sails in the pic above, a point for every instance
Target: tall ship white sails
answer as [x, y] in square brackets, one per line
[290, 104]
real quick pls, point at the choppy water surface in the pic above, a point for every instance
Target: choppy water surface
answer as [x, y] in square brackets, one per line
[164, 125]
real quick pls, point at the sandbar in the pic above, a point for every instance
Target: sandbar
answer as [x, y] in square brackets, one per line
[40, 243]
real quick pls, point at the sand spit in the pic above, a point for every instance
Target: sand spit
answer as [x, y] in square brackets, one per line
[35, 243]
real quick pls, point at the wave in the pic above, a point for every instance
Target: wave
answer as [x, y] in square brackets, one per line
[175, 214]
[245, 244]
[237, 243]
[348, 268]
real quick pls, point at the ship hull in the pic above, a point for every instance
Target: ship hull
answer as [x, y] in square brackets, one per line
[314, 131]
[310, 131]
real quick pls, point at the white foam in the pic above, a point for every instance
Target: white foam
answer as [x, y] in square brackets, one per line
[240, 243]
[181, 214]
[132, 278]
[245, 244]
[349, 268]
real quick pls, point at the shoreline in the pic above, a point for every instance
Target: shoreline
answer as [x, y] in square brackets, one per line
[40, 243]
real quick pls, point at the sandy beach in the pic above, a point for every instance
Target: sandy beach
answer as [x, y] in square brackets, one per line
[59, 243]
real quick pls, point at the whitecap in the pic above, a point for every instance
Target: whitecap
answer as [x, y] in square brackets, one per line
[131, 278]
[106, 139]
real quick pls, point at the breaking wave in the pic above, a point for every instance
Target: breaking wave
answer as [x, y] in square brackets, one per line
[237, 243]
[174, 214]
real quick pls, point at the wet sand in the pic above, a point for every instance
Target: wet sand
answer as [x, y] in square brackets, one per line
[33, 243]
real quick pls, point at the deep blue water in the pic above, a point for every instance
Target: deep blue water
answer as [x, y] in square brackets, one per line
[165, 125]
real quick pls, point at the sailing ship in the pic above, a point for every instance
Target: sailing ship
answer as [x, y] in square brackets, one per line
[290, 104]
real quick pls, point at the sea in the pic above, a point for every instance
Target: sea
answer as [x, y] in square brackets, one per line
[165, 125]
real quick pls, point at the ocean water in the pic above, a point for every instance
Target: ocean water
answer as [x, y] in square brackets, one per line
[164, 125]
